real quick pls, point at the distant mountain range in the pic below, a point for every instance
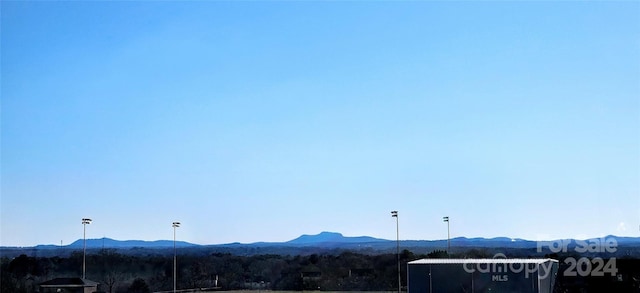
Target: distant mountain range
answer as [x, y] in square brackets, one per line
[325, 241]
[112, 243]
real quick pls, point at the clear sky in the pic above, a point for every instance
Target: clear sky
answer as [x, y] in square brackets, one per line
[261, 121]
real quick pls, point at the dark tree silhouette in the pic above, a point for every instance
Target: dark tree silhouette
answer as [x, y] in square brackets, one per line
[139, 285]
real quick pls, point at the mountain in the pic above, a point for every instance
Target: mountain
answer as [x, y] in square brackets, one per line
[331, 238]
[326, 241]
[112, 243]
[493, 242]
[624, 240]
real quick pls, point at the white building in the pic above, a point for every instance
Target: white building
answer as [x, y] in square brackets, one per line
[482, 275]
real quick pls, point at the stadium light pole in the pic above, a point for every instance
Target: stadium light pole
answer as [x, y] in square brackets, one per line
[394, 214]
[446, 219]
[175, 254]
[85, 221]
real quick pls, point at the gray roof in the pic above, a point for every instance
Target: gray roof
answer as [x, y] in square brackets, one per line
[69, 282]
[481, 260]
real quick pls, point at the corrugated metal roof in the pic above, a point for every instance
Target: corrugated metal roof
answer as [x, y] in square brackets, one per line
[69, 282]
[481, 260]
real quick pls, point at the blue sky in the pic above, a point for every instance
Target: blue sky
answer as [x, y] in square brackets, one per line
[261, 121]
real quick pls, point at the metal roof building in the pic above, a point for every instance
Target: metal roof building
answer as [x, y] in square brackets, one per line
[77, 285]
[482, 275]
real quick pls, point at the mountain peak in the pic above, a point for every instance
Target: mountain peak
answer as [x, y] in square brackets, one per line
[330, 237]
[330, 234]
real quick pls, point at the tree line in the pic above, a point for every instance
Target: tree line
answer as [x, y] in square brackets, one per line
[117, 272]
[344, 271]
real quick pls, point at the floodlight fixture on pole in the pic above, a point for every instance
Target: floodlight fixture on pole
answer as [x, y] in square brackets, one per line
[446, 219]
[394, 214]
[85, 221]
[174, 225]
